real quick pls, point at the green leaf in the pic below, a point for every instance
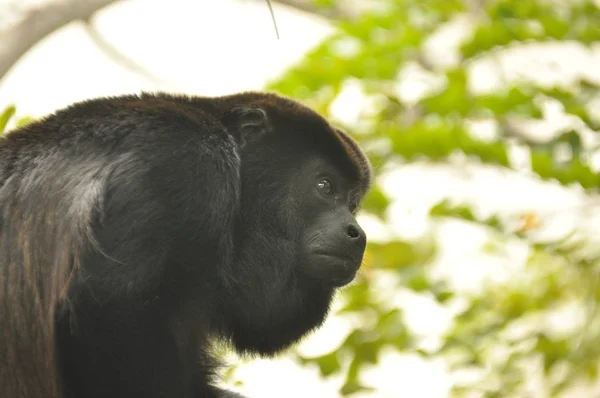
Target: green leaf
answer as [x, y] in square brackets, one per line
[357, 297]
[592, 370]
[514, 101]
[454, 99]
[416, 279]
[376, 202]
[575, 171]
[552, 350]
[393, 255]
[353, 387]
[328, 364]
[5, 117]
[392, 329]
[24, 121]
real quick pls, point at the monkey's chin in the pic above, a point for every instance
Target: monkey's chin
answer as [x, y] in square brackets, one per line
[341, 282]
[334, 271]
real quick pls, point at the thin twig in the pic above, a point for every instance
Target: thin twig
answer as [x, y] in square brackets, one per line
[119, 57]
[273, 18]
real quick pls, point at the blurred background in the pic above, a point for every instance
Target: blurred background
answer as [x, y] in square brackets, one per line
[480, 117]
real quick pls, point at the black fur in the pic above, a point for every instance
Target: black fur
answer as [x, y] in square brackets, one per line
[137, 229]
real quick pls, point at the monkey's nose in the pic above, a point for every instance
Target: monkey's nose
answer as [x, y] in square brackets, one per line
[356, 234]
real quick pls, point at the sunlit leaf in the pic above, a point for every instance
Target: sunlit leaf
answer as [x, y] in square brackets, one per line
[5, 117]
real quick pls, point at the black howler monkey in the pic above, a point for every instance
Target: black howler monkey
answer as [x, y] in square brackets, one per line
[136, 229]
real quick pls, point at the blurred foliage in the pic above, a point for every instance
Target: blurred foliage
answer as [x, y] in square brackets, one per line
[504, 333]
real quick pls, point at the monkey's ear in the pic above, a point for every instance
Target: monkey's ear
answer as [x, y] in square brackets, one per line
[247, 123]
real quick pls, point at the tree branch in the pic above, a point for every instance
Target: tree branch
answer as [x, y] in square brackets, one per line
[38, 22]
[117, 56]
[334, 12]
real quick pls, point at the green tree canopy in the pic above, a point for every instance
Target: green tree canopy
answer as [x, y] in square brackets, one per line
[501, 333]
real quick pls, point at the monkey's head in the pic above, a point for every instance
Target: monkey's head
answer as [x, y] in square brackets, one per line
[302, 183]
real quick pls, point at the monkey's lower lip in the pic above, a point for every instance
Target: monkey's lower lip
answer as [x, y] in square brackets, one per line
[349, 270]
[337, 257]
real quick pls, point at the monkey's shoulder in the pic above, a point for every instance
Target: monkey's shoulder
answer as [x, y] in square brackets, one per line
[142, 126]
[109, 121]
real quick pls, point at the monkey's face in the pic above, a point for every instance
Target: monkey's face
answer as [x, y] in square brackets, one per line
[333, 243]
[302, 181]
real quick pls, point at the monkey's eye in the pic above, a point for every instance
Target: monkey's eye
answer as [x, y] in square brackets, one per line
[324, 187]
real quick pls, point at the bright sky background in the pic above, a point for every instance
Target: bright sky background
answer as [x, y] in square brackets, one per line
[210, 47]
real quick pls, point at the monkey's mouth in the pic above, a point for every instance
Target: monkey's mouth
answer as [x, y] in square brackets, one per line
[341, 269]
